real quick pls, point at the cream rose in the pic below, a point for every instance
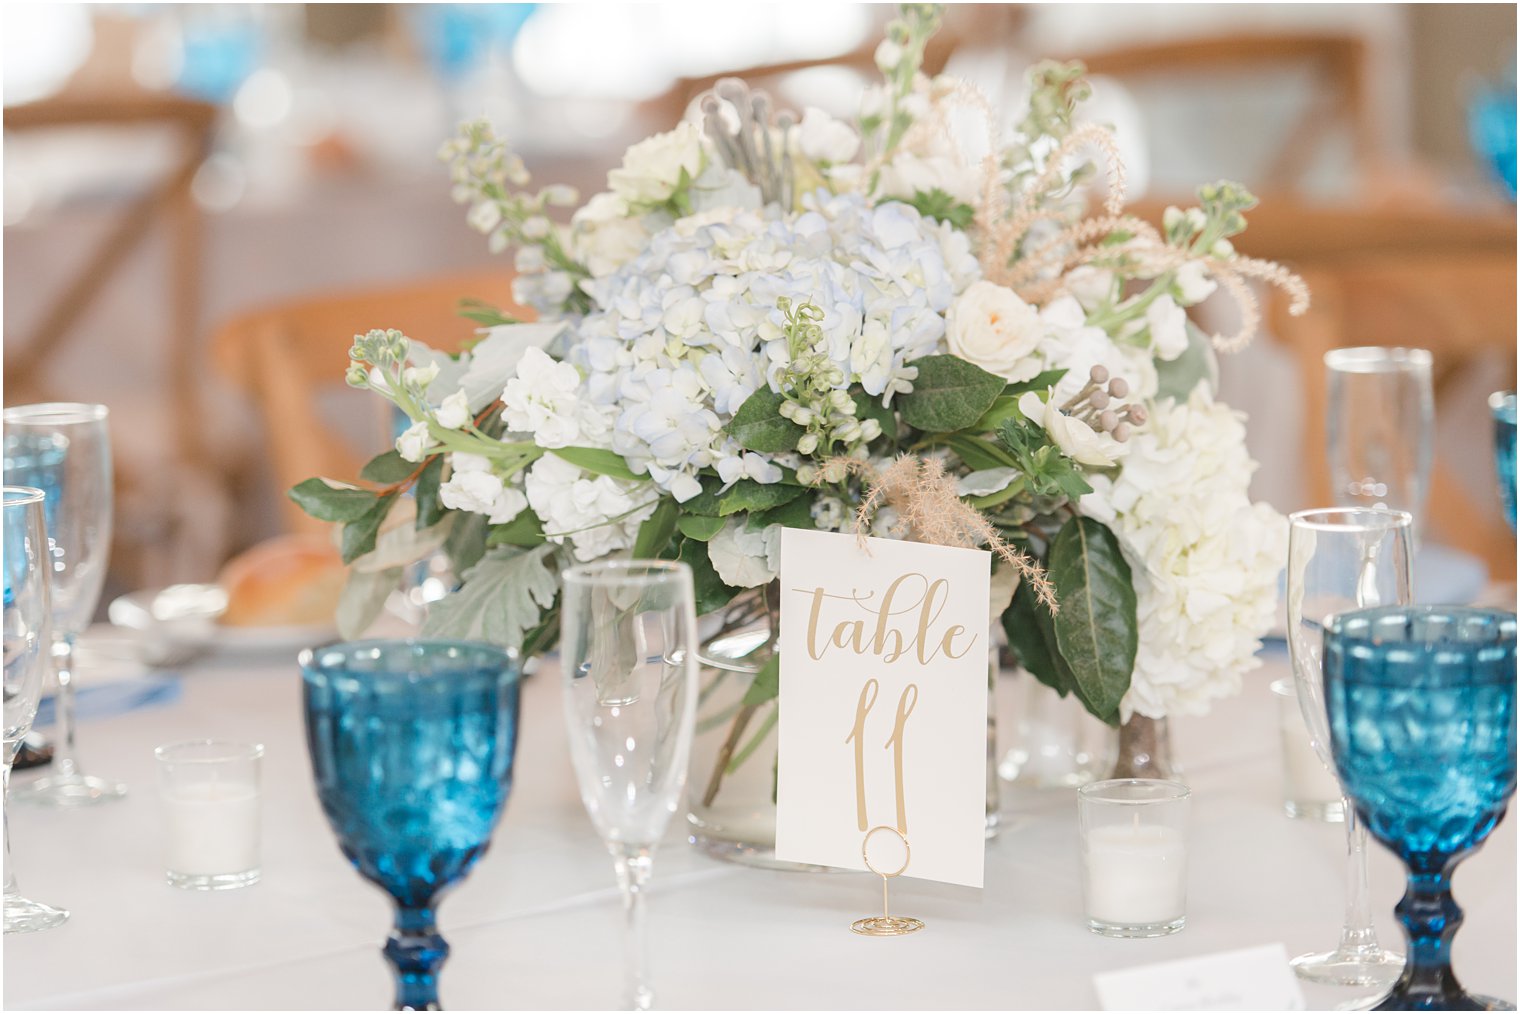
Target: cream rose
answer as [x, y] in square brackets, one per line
[651, 169]
[991, 327]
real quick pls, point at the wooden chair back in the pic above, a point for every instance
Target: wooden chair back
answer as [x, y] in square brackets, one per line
[283, 358]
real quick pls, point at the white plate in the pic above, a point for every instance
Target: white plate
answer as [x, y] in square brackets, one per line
[272, 640]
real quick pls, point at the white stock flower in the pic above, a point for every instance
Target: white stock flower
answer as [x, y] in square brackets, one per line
[651, 169]
[605, 234]
[484, 216]
[888, 55]
[907, 174]
[1075, 438]
[745, 559]
[545, 399]
[454, 411]
[414, 443]
[1205, 559]
[579, 507]
[1168, 326]
[991, 327]
[475, 488]
[1194, 283]
[825, 139]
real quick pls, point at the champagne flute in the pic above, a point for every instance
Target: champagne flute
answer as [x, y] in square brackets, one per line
[629, 657]
[1380, 425]
[65, 450]
[26, 655]
[1346, 558]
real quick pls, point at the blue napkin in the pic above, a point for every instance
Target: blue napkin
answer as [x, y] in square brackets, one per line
[116, 698]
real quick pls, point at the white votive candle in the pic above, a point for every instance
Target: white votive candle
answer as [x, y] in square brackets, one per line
[1309, 789]
[211, 807]
[1134, 856]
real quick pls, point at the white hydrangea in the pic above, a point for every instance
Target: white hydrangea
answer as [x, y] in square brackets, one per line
[577, 506]
[1205, 559]
[745, 559]
[690, 328]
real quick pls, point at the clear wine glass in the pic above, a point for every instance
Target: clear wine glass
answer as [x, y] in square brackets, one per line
[1380, 426]
[628, 647]
[64, 450]
[1421, 707]
[27, 641]
[411, 747]
[1346, 558]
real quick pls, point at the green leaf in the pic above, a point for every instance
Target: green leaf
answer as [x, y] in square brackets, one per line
[949, 394]
[363, 597]
[1039, 382]
[326, 502]
[695, 526]
[359, 534]
[979, 454]
[767, 682]
[940, 206]
[484, 313]
[387, 468]
[867, 407]
[467, 541]
[429, 508]
[711, 593]
[1176, 379]
[759, 426]
[1096, 628]
[744, 495]
[598, 460]
[797, 514]
[501, 599]
[1006, 407]
[525, 530]
[654, 534]
[1032, 638]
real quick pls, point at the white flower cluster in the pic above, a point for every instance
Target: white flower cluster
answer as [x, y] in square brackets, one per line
[1205, 558]
[690, 328]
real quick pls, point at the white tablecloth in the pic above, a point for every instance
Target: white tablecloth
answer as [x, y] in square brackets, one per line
[537, 923]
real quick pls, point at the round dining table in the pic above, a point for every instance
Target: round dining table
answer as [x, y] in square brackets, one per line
[538, 923]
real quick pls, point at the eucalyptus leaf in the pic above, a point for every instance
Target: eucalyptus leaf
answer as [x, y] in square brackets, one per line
[711, 593]
[387, 468]
[695, 526]
[654, 534]
[1096, 628]
[797, 514]
[430, 509]
[501, 599]
[359, 534]
[949, 394]
[759, 425]
[767, 683]
[525, 530]
[363, 597]
[743, 495]
[598, 460]
[326, 500]
[467, 542]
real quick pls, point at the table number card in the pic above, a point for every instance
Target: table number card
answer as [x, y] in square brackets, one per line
[883, 719]
[1256, 978]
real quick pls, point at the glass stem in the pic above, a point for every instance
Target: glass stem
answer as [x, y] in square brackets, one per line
[11, 890]
[1357, 934]
[416, 953]
[63, 748]
[633, 868]
[1431, 917]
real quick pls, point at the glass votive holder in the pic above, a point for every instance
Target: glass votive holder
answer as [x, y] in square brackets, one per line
[210, 794]
[1134, 856]
[1310, 791]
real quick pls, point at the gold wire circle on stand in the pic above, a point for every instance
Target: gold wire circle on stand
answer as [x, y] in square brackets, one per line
[886, 924]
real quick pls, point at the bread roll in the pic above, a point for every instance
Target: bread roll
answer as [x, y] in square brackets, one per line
[287, 581]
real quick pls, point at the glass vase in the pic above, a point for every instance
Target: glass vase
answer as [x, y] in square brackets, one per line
[1055, 742]
[1145, 750]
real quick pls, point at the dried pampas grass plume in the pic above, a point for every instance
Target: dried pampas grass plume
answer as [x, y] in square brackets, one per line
[931, 511]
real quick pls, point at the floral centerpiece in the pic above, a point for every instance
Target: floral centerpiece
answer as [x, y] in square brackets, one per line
[773, 320]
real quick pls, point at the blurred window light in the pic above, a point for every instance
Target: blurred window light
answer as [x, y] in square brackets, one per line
[456, 36]
[636, 52]
[43, 44]
[264, 100]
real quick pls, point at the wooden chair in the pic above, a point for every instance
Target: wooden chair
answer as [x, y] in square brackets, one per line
[283, 358]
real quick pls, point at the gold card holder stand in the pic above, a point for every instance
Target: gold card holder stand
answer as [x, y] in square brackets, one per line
[886, 924]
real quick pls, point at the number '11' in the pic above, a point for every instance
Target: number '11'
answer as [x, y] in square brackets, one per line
[905, 705]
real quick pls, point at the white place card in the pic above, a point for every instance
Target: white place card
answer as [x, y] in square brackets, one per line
[1256, 978]
[883, 716]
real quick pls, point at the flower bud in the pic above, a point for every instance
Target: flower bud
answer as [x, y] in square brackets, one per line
[1171, 218]
[535, 227]
[806, 445]
[807, 474]
[1107, 420]
[357, 376]
[1120, 432]
[1099, 374]
[1223, 249]
[870, 430]
[1118, 387]
[1137, 415]
[802, 416]
[834, 471]
[1098, 399]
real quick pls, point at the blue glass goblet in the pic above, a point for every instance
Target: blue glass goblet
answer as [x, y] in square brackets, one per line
[411, 746]
[1421, 704]
[1502, 403]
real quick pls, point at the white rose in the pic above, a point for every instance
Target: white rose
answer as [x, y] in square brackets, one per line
[1075, 438]
[652, 169]
[745, 559]
[1168, 324]
[825, 139]
[908, 174]
[991, 327]
[454, 412]
[413, 444]
[606, 234]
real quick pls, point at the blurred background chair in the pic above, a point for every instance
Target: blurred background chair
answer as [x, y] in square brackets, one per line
[289, 359]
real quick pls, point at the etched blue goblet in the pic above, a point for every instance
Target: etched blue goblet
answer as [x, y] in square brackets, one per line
[411, 746]
[1502, 404]
[1421, 704]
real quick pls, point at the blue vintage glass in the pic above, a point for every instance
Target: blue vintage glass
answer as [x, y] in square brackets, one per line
[1421, 703]
[411, 745]
[1503, 405]
[36, 459]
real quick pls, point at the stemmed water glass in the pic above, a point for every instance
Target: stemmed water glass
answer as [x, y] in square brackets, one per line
[411, 746]
[628, 638]
[1346, 558]
[27, 642]
[1421, 710]
[65, 450]
[1379, 428]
